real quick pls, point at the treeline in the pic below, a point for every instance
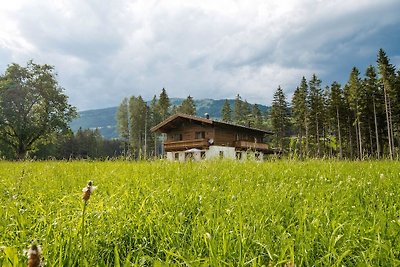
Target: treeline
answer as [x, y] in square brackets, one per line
[84, 144]
[357, 120]
[135, 118]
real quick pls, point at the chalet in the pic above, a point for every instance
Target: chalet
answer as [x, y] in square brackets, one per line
[192, 137]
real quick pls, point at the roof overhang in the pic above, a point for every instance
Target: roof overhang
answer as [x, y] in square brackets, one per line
[175, 120]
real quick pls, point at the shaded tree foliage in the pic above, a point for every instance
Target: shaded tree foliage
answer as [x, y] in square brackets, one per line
[33, 107]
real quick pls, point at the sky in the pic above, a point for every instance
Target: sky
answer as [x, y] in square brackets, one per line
[104, 50]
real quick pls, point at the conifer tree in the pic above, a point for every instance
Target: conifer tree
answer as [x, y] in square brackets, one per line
[280, 117]
[327, 124]
[164, 105]
[315, 106]
[138, 115]
[373, 107]
[246, 113]
[335, 107]
[226, 112]
[355, 95]
[188, 106]
[387, 75]
[154, 119]
[123, 124]
[299, 115]
[238, 110]
[257, 116]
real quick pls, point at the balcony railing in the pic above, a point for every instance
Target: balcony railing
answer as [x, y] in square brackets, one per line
[203, 144]
[251, 145]
[186, 144]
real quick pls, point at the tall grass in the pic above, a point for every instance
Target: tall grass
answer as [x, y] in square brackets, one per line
[313, 213]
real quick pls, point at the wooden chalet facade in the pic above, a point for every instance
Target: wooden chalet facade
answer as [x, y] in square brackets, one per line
[192, 137]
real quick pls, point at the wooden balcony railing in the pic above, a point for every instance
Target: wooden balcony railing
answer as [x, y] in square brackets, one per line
[186, 144]
[203, 144]
[251, 145]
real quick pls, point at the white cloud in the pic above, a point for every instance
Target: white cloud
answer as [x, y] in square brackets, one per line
[104, 51]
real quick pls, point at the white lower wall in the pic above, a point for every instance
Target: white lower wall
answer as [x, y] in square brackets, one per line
[215, 152]
[220, 152]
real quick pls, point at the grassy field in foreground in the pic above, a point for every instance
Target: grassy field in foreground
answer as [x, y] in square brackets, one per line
[313, 213]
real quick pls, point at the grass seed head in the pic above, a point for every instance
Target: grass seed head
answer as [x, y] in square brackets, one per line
[88, 190]
[35, 256]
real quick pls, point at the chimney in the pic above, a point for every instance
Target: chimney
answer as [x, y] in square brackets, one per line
[207, 116]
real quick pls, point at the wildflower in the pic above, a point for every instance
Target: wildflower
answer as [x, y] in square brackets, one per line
[34, 256]
[88, 190]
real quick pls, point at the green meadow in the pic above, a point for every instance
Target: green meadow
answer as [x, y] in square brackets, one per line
[215, 213]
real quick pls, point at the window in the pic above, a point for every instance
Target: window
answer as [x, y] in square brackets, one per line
[189, 156]
[178, 137]
[200, 135]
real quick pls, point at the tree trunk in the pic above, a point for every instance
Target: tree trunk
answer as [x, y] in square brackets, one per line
[378, 152]
[371, 142]
[357, 143]
[359, 137]
[300, 143]
[388, 122]
[22, 152]
[339, 135]
[350, 138]
[391, 127]
[306, 151]
[317, 136]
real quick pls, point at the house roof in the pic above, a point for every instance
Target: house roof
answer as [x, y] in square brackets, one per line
[170, 123]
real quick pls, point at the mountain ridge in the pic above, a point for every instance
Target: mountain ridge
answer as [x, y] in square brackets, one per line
[104, 119]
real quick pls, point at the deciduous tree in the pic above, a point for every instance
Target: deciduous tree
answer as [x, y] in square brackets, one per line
[33, 107]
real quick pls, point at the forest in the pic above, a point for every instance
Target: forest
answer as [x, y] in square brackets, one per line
[357, 120]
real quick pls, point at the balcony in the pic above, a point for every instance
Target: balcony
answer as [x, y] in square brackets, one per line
[251, 145]
[186, 144]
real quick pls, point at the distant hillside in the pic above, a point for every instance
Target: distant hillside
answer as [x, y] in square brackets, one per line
[104, 119]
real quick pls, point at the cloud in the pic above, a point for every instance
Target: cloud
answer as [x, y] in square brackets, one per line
[104, 51]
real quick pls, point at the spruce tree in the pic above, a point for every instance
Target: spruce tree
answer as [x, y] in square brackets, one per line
[154, 119]
[387, 77]
[164, 104]
[335, 106]
[299, 116]
[246, 113]
[280, 117]
[355, 95]
[138, 125]
[188, 106]
[373, 107]
[257, 116]
[123, 124]
[226, 112]
[238, 110]
[315, 106]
